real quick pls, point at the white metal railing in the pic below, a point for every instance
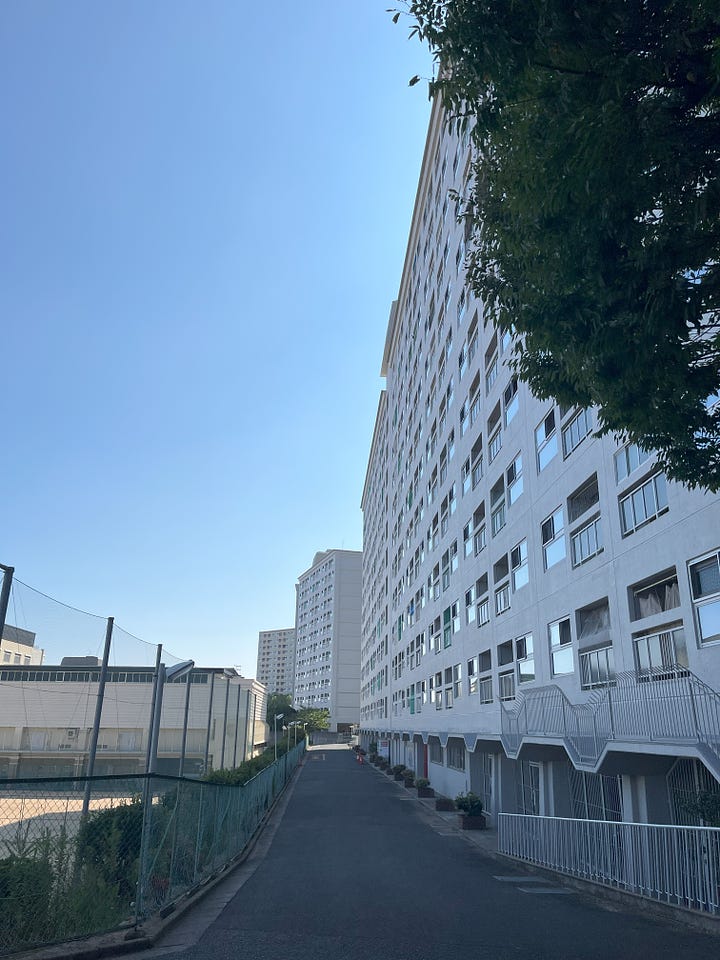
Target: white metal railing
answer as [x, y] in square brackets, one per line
[674, 865]
[669, 705]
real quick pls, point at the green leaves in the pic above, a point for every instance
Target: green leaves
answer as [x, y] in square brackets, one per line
[596, 203]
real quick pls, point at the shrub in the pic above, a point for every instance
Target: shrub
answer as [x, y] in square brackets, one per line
[398, 768]
[422, 782]
[469, 803]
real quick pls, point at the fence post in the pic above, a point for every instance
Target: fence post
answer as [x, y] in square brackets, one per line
[98, 716]
[8, 573]
[610, 713]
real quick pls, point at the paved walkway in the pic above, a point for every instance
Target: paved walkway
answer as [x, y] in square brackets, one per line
[353, 866]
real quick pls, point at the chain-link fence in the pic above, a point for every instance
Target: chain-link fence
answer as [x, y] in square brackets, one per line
[144, 842]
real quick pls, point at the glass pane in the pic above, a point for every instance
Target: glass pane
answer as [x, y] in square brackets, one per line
[562, 661]
[705, 577]
[709, 619]
[554, 552]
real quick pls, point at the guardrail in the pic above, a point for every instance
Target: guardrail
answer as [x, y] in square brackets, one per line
[675, 865]
[64, 876]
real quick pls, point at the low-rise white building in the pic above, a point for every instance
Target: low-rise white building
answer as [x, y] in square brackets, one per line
[47, 714]
[327, 629]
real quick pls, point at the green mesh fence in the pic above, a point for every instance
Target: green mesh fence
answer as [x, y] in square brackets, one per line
[143, 842]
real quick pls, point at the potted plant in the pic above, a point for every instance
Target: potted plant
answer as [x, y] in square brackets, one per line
[423, 787]
[471, 807]
[409, 778]
[398, 770]
[444, 804]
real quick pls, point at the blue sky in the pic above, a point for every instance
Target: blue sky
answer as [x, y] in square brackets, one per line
[203, 217]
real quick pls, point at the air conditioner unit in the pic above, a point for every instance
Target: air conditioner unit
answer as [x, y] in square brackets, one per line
[72, 733]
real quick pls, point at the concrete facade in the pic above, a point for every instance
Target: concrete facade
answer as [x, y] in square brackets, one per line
[276, 660]
[541, 608]
[327, 627]
[47, 713]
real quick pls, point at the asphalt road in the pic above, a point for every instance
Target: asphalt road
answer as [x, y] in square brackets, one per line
[356, 868]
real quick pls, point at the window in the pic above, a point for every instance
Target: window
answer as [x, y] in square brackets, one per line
[561, 654]
[483, 611]
[497, 505]
[597, 668]
[519, 565]
[525, 658]
[457, 680]
[506, 686]
[546, 441]
[435, 750]
[476, 456]
[510, 400]
[657, 596]
[705, 585]
[644, 504]
[514, 479]
[585, 497]
[455, 753]
[479, 530]
[495, 444]
[552, 532]
[661, 653]
[451, 622]
[575, 431]
[465, 476]
[502, 599]
[472, 669]
[628, 459]
[586, 542]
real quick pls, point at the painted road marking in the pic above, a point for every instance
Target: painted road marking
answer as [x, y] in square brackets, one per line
[544, 890]
[516, 879]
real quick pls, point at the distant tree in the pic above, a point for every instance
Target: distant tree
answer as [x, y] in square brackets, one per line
[279, 703]
[594, 209]
[314, 719]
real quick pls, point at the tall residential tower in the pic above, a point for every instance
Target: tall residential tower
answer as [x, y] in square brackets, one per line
[327, 626]
[541, 607]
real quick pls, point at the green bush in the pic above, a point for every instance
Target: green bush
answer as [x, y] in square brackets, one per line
[469, 803]
[26, 887]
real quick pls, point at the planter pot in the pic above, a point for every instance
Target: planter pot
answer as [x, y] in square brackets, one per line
[472, 823]
[398, 776]
[425, 792]
[444, 804]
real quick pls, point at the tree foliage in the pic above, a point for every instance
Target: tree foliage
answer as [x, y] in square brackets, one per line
[314, 719]
[595, 202]
[279, 703]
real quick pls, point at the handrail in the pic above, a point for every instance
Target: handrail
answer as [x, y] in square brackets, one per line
[665, 705]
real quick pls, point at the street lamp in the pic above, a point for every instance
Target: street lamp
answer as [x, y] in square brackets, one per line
[278, 716]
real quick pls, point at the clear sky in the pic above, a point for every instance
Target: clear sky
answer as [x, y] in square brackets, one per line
[204, 208]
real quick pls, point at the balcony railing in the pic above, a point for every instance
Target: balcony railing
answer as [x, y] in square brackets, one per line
[675, 865]
[669, 705]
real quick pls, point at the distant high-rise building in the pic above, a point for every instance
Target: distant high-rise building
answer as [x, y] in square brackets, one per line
[327, 626]
[276, 660]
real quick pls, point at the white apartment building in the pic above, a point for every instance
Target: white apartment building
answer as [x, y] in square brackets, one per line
[276, 660]
[327, 628]
[541, 607]
[47, 715]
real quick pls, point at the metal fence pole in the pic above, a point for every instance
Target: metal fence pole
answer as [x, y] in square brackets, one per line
[8, 573]
[98, 716]
[183, 745]
[209, 725]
